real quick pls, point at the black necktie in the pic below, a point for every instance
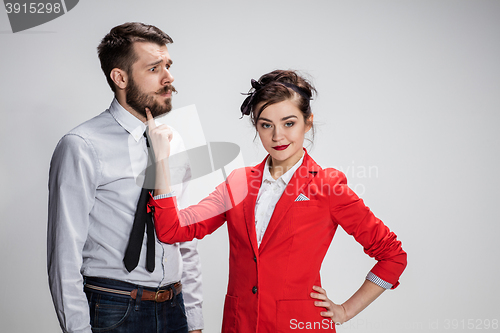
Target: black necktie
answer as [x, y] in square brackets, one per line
[141, 220]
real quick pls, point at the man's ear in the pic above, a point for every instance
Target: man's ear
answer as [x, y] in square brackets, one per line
[119, 77]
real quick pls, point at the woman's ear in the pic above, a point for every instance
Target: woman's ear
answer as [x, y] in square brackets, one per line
[309, 122]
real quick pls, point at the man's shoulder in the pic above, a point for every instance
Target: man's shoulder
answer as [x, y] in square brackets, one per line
[88, 136]
[94, 125]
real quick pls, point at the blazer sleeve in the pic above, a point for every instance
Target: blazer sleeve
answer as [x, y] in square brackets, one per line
[350, 212]
[173, 225]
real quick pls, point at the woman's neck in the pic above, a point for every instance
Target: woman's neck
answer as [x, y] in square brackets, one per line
[279, 168]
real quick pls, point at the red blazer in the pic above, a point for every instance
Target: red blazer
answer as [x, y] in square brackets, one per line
[269, 286]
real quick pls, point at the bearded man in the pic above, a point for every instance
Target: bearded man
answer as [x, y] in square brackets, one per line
[107, 270]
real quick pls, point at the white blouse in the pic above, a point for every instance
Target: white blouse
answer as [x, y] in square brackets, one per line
[269, 193]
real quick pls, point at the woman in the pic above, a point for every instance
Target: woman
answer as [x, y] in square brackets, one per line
[281, 216]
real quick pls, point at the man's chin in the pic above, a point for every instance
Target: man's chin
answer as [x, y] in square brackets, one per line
[158, 112]
[157, 109]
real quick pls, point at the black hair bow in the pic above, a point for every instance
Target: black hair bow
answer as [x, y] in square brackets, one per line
[246, 107]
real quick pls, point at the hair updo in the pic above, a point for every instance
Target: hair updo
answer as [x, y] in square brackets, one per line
[278, 86]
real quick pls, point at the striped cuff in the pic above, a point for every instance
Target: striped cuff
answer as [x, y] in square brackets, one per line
[378, 281]
[163, 196]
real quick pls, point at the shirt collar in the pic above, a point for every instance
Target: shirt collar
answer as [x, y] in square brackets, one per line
[127, 120]
[286, 177]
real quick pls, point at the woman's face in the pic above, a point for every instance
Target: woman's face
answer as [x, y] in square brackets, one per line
[281, 129]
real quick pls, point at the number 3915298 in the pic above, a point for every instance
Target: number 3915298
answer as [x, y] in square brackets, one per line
[478, 324]
[33, 8]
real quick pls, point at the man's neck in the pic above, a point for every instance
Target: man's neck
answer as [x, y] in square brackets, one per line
[123, 102]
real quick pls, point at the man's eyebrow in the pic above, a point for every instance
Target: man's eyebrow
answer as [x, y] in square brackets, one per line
[169, 62]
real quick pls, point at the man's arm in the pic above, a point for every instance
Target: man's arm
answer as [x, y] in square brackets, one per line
[192, 285]
[72, 186]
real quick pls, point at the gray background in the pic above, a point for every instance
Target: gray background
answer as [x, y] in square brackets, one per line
[408, 106]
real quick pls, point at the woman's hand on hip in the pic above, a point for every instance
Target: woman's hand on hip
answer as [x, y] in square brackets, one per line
[333, 311]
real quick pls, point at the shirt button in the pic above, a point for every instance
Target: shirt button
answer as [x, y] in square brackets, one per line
[254, 290]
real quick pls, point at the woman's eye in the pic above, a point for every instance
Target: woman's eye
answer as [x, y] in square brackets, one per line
[266, 125]
[289, 124]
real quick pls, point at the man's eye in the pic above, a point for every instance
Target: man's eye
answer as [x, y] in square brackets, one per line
[152, 69]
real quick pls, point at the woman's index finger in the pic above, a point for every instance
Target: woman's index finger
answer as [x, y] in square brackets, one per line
[151, 120]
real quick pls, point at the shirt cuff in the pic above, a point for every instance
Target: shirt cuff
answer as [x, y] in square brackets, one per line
[163, 196]
[378, 281]
[195, 318]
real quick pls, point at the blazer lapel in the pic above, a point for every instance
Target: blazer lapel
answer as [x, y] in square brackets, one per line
[303, 176]
[254, 182]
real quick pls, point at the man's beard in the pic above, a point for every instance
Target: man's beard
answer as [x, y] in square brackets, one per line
[139, 101]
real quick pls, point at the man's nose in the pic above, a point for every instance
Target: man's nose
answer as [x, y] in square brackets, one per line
[167, 77]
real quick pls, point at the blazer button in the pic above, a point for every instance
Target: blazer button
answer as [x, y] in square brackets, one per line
[255, 259]
[254, 290]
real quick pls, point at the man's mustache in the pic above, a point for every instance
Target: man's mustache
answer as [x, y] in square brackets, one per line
[166, 89]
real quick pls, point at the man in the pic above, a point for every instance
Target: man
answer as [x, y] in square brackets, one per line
[104, 276]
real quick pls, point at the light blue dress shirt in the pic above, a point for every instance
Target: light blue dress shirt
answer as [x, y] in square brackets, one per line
[94, 186]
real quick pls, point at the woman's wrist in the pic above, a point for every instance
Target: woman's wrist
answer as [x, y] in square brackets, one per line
[162, 183]
[346, 316]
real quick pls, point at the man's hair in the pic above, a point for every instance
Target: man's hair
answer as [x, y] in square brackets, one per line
[116, 49]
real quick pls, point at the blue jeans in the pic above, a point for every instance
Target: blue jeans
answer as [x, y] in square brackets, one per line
[121, 314]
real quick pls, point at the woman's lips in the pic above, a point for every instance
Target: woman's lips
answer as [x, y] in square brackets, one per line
[281, 147]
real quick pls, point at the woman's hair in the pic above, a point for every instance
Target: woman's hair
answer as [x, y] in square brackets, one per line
[278, 86]
[116, 48]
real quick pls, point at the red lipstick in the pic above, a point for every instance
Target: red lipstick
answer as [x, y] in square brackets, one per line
[281, 147]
